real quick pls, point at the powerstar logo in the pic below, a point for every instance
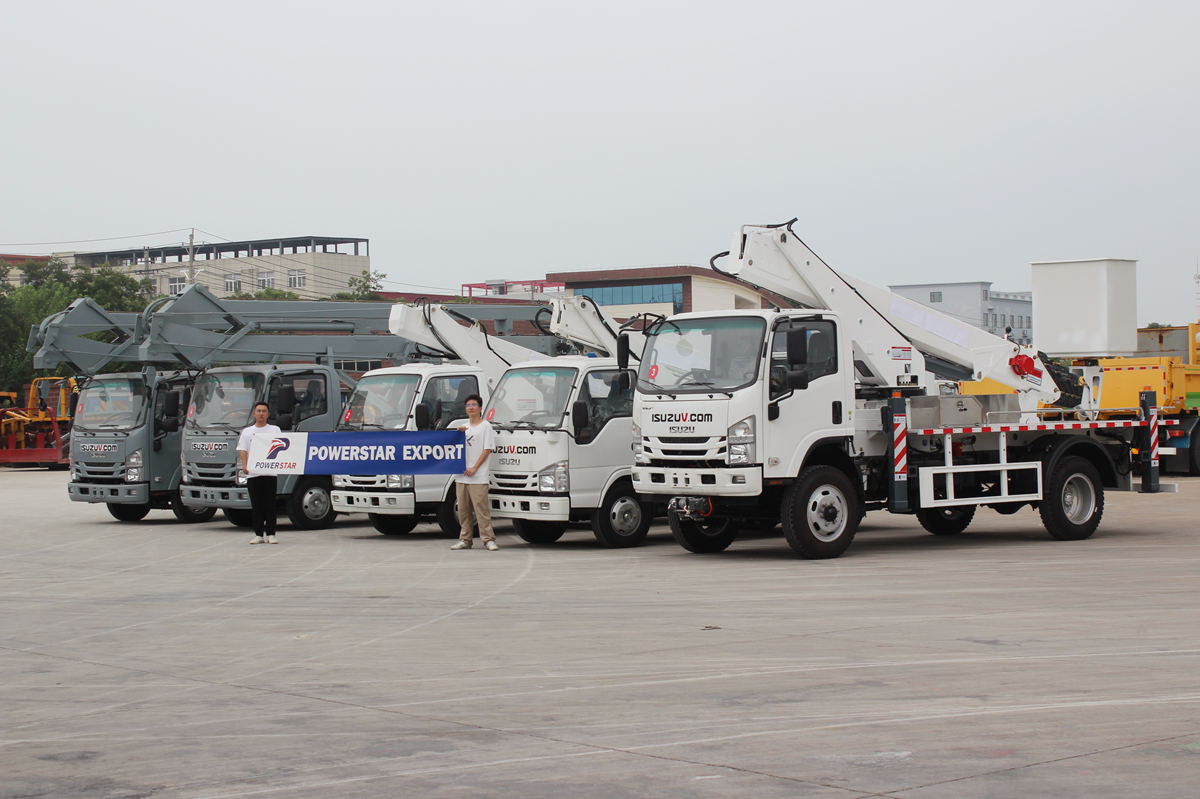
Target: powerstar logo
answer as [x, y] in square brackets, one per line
[685, 416]
[278, 445]
[98, 448]
[209, 446]
[513, 449]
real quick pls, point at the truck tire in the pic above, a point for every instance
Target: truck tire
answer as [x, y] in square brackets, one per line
[310, 506]
[447, 516]
[190, 513]
[1194, 450]
[621, 520]
[390, 524]
[821, 512]
[238, 517]
[946, 521]
[1073, 501]
[712, 535]
[537, 532]
[128, 513]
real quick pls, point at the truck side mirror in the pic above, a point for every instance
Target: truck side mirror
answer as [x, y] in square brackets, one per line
[797, 345]
[623, 381]
[579, 415]
[285, 401]
[623, 351]
[797, 379]
[422, 416]
[171, 405]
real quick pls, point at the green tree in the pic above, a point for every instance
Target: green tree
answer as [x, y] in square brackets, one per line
[364, 287]
[113, 290]
[21, 308]
[39, 274]
[275, 294]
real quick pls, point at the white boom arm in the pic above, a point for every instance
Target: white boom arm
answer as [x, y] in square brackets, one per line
[435, 327]
[887, 329]
[581, 320]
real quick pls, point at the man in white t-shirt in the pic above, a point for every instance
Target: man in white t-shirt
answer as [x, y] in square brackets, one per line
[262, 488]
[472, 485]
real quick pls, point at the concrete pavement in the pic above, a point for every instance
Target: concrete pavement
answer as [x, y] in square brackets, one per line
[168, 660]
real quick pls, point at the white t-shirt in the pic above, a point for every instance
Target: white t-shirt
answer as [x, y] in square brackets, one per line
[250, 432]
[479, 437]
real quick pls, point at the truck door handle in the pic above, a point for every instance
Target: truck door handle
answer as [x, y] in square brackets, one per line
[837, 412]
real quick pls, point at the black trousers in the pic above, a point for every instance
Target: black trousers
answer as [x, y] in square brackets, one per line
[262, 503]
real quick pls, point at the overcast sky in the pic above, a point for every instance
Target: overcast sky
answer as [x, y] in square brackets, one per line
[916, 141]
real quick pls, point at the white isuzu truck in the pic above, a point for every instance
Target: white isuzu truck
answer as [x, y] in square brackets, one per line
[811, 416]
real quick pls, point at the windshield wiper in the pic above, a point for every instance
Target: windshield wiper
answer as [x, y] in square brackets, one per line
[657, 388]
[710, 384]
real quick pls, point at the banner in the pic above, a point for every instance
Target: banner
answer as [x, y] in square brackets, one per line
[383, 452]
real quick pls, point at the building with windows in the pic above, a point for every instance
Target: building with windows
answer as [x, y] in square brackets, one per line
[309, 266]
[663, 290]
[977, 304]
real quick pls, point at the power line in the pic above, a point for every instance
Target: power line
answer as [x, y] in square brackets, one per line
[88, 241]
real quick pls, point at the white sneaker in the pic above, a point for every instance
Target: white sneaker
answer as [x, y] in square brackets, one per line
[461, 545]
[258, 540]
[271, 540]
[491, 546]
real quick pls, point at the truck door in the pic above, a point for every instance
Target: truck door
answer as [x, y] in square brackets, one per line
[311, 390]
[601, 446]
[799, 415]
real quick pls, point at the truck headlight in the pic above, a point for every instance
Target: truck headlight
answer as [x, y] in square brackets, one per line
[133, 466]
[339, 481]
[554, 479]
[185, 477]
[740, 441]
[400, 481]
[639, 447]
[241, 478]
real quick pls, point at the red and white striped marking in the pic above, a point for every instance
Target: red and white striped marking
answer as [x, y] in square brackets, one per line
[1154, 437]
[1023, 428]
[900, 441]
[1127, 368]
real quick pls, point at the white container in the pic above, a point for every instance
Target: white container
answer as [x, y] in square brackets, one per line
[1085, 308]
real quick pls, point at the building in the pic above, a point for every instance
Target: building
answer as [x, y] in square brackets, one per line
[309, 266]
[663, 290]
[14, 264]
[977, 304]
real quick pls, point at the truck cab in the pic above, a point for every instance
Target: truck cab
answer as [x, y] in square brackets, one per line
[411, 397]
[302, 398]
[125, 445]
[563, 435]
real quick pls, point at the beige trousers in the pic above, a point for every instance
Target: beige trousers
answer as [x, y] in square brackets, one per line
[473, 505]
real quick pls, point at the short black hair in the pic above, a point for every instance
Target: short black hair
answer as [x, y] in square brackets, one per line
[265, 405]
[475, 397]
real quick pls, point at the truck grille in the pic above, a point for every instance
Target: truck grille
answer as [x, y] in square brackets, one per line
[212, 474]
[515, 482]
[684, 448]
[101, 471]
[365, 480]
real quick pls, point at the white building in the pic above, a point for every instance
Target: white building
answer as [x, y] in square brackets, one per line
[977, 304]
[310, 266]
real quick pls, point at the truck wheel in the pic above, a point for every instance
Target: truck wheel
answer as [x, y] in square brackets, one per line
[238, 517]
[1074, 500]
[711, 535]
[309, 506]
[128, 513]
[946, 521]
[536, 532]
[821, 512]
[1194, 460]
[621, 520]
[447, 516]
[190, 513]
[389, 524]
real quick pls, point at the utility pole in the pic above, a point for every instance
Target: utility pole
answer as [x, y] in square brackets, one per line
[191, 271]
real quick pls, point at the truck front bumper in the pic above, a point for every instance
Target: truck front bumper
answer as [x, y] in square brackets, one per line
[740, 481]
[117, 493]
[400, 503]
[531, 507]
[215, 496]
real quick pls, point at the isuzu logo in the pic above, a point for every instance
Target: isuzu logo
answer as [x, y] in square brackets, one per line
[513, 449]
[685, 416]
[209, 446]
[97, 448]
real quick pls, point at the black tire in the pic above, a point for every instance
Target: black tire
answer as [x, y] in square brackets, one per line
[537, 532]
[712, 535]
[128, 513]
[190, 514]
[820, 513]
[946, 521]
[1194, 452]
[1073, 501]
[310, 507]
[238, 517]
[621, 520]
[391, 524]
[447, 515]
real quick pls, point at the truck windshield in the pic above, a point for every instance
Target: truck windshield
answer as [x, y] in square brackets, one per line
[380, 402]
[224, 400]
[698, 355]
[534, 397]
[111, 403]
